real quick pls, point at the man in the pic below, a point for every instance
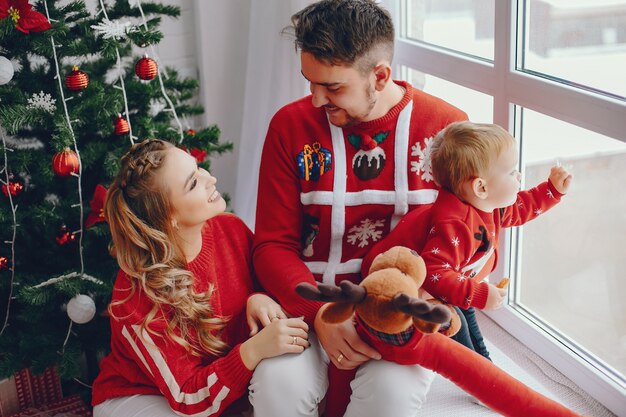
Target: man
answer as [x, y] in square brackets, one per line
[339, 169]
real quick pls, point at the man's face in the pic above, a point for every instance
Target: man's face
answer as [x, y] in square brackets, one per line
[346, 95]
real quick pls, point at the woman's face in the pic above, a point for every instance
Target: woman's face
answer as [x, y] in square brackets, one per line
[192, 190]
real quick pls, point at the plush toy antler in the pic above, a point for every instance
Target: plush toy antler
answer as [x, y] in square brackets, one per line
[388, 299]
[387, 302]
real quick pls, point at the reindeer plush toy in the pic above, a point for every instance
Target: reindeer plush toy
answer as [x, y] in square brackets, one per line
[392, 318]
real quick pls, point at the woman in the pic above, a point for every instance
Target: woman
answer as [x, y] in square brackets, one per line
[187, 327]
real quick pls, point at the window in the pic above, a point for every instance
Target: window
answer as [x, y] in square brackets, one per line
[552, 72]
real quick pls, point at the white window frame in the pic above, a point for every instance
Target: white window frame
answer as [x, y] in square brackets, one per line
[510, 88]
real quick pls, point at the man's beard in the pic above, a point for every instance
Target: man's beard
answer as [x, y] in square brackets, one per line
[353, 120]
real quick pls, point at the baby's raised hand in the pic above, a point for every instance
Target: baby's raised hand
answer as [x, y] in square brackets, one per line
[560, 178]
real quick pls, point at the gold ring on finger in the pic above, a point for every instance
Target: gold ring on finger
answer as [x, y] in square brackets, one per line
[340, 358]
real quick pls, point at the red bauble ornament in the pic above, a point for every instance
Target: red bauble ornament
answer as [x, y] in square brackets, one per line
[64, 236]
[14, 186]
[76, 80]
[4, 263]
[65, 163]
[191, 132]
[146, 68]
[121, 125]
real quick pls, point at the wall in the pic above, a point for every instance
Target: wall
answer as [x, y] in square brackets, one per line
[195, 45]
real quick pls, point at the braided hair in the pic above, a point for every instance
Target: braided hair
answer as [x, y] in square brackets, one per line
[137, 209]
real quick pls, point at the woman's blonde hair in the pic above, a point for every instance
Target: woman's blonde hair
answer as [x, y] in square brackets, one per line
[465, 150]
[138, 209]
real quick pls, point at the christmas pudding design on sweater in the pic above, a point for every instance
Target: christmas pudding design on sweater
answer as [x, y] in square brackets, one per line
[313, 161]
[369, 161]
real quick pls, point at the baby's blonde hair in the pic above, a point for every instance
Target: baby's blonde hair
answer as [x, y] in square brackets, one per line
[138, 211]
[465, 150]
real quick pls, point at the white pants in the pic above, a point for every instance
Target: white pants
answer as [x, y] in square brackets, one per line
[294, 385]
[137, 406]
[134, 406]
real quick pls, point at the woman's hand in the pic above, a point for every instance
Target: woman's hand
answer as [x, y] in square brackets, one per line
[277, 338]
[262, 310]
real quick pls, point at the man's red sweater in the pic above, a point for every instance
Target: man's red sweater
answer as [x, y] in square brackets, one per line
[327, 194]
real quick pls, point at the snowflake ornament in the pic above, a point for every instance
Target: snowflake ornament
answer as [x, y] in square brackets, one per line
[423, 162]
[42, 101]
[113, 29]
[366, 230]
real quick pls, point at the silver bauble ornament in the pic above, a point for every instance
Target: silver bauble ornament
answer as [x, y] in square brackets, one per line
[81, 309]
[6, 70]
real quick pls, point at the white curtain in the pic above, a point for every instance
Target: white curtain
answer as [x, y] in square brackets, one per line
[273, 79]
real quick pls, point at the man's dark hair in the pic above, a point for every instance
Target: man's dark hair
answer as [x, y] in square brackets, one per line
[344, 31]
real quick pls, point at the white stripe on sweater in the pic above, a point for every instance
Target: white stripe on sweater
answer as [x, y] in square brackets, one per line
[325, 198]
[338, 210]
[180, 397]
[353, 266]
[338, 198]
[401, 158]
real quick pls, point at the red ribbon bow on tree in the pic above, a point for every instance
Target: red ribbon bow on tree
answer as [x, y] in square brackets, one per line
[96, 215]
[25, 18]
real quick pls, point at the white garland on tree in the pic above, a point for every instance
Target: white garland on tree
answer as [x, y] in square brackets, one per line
[121, 87]
[5, 181]
[170, 108]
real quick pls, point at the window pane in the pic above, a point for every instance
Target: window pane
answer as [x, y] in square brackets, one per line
[477, 105]
[462, 25]
[580, 41]
[571, 270]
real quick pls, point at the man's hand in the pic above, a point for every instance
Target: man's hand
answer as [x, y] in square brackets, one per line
[342, 343]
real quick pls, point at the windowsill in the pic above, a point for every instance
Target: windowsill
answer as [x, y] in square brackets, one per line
[446, 399]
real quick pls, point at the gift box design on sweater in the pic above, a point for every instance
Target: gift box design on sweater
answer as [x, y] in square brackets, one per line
[313, 161]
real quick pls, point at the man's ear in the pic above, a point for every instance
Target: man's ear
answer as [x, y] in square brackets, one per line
[478, 188]
[382, 75]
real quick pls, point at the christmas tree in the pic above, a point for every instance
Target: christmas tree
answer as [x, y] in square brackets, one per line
[77, 89]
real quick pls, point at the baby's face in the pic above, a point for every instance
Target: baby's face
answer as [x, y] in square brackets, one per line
[503, 179]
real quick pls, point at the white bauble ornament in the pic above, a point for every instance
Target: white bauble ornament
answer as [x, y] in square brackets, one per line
[81, 309]
[6, 70]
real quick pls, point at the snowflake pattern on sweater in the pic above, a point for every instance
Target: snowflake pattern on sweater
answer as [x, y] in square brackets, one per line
[423, 163]
[367, 230]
